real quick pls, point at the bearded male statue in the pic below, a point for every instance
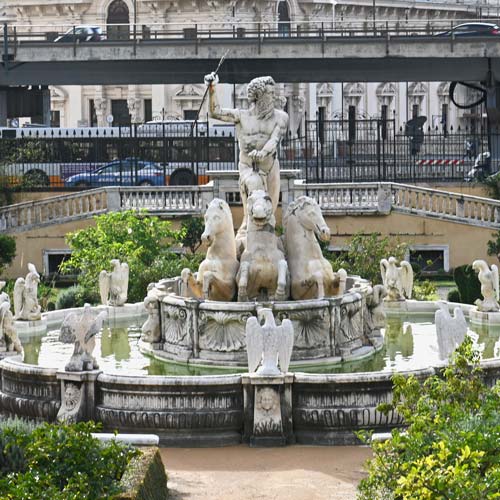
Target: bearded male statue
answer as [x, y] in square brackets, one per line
[259, 130]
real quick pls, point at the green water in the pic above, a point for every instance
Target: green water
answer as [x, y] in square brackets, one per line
[409, 343]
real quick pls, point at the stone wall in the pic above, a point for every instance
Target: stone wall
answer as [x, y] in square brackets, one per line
[214, 410]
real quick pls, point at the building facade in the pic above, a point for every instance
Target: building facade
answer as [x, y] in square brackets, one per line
[75, 106]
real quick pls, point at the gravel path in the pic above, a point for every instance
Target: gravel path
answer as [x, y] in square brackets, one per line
[243, 473]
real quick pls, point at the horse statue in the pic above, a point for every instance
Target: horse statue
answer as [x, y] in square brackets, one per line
[215, 279]
[490, 289]
[397, 280]
[263, 272]
[311, 275]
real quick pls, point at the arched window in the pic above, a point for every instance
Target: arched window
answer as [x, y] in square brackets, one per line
[283, 19]
[118, 21]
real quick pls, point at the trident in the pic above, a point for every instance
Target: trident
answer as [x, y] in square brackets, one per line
[206, 90]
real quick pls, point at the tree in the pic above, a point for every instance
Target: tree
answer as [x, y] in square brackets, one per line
[143, 242]
[7, 251]
[190, 233]
[364, 254]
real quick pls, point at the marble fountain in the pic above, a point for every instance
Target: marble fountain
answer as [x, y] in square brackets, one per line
[251, 286]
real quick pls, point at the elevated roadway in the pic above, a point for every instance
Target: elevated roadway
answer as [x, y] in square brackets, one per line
[294, 59]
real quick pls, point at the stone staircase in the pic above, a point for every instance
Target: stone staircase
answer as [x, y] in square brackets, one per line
[334, 199]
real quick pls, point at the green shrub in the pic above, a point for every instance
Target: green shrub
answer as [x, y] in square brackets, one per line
[450, 448]
[190, 233]
[7, 250]
[425, 290]
[364, 254]
[468, 284]
[14, 434]
[453, 295]
[65, 462]
[140, 241]
[76, 296]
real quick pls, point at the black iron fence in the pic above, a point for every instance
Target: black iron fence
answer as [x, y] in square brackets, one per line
[170, 153]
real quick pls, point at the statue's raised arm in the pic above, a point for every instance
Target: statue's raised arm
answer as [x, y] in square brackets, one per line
[215, 111]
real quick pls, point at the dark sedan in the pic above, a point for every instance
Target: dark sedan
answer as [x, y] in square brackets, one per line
[128, 172]
[473, 29]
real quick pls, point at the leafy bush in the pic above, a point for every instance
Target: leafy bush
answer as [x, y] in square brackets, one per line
[453, 295]
[65, 462]
[469, 287]
[494, 245]
[13, 439]
[450, 447]
[364, 254]
[425, 290]
[76, 296]
[7, 250]
[190, 233]
[143, 242]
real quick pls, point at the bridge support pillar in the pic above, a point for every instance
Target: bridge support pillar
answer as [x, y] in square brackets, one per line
[3, 108]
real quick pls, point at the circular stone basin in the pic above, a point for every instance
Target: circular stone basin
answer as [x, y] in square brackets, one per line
[328, 330]
[409, 343]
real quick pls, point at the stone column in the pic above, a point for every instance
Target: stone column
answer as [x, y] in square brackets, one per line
[78, 395]
[267, 405]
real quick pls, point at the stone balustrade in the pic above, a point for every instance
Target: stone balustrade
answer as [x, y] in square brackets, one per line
[334, 199]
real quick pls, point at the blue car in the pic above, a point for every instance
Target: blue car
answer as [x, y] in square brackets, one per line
[127, 172]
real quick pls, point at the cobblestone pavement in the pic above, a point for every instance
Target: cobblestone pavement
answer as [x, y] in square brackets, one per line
[243, 473]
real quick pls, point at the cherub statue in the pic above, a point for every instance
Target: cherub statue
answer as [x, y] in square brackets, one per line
[269, 343]
[26, 305]
[9, 341]
[82, 327]
[489, 286]
[397, 280]
[113, 286]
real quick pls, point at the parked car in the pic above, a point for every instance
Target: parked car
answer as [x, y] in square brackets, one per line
[473, 29]
[81, 34]
[127, 172]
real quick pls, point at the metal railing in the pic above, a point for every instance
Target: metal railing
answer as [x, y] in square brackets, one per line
[16, 34]
[361, 150]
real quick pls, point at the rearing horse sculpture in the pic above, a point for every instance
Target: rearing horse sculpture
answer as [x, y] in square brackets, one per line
[215, 279]
[263, 269]
[311, 275]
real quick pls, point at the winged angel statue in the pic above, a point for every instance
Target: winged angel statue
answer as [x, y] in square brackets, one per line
[268, 344]
[113, 286]
[397, 280]
[81, 328]
[489, 286]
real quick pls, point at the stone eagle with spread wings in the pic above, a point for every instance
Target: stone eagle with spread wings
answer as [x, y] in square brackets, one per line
[269, 344]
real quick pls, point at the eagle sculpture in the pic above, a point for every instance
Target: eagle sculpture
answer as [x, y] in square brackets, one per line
[450, 330]
[113, 286]
[268, 344]
[397, 280]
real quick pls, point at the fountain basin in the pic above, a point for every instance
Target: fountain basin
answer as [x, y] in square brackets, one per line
[207, 332]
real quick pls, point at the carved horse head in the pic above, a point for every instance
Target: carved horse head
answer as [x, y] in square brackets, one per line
[308, 214]
[218, 220]
[260, 208]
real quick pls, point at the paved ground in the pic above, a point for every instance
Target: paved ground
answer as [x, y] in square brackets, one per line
[243, 473]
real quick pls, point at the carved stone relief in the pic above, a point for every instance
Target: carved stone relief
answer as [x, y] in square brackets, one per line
[222, 331]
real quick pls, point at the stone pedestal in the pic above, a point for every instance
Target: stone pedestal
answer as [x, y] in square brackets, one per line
[78, 395]
[484, 318]
[30, 327]
[395, 305]
[267, 410]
